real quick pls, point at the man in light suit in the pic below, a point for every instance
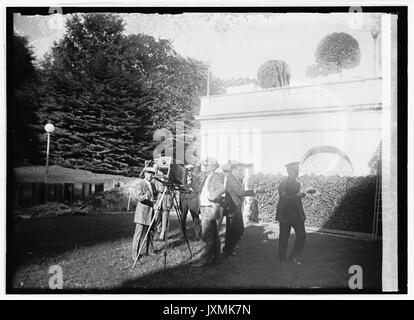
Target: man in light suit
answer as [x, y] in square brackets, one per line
[211, 188]
[163, 213]
[144, 212]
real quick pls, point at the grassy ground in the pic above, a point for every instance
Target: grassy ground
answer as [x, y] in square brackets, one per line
[94, 253]
[59, 174]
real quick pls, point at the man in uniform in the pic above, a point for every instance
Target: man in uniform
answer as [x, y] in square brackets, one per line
[144, 211]
[290, 214]
[212, 187]
[190, 201]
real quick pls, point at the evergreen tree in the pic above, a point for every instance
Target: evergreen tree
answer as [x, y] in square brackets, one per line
[176, 83]
[25, 100]
[107, 93]
[96, 98]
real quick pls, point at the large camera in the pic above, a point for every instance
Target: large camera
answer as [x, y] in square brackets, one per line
[173, 174]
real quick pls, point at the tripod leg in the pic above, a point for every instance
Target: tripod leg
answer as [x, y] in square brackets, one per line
[166, 243]
[164, 223]
[180, 220]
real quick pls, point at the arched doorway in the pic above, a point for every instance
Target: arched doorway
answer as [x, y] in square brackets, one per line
[326, 160]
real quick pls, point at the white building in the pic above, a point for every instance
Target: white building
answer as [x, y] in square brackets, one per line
[331, 127]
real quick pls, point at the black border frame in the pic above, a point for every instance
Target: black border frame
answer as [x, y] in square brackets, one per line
[402, 129]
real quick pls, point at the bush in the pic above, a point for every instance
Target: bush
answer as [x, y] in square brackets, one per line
[344, 203]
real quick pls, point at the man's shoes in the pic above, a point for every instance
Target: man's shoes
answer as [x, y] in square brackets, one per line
[203, 262]
[216, 260]
[295, 261]
[200, 264]
[227, 254]
[283, 265]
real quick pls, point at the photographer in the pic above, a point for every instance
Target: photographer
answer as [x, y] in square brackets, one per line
[144, 211]
[163, 212]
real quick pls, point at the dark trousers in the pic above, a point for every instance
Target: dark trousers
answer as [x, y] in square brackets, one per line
[234, 231]
[163, 215]
[139, 238]
[185, 207]
[300, 237]
[210, 233]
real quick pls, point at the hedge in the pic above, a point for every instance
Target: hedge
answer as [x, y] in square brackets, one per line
[343, 203]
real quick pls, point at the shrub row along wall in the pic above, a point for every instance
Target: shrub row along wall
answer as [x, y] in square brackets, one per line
[343, 203]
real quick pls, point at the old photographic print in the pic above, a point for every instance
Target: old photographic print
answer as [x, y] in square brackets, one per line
[205, 150]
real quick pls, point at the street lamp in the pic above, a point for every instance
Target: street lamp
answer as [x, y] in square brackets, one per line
[375, 34]
[49, 128]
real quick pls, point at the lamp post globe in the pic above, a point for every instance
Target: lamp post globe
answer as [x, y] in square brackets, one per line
[49, 128]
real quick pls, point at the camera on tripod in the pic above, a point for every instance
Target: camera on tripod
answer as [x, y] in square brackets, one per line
[174, 179]
[173, 175]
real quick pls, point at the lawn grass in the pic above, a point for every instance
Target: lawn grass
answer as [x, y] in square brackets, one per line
[94, 253]
[58, 174]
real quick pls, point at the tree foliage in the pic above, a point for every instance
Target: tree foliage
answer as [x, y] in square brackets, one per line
[273, 74]
[107, 93]
[25, 100]
[233, 82]
[335, 52]
[177, 82]
[96, 98]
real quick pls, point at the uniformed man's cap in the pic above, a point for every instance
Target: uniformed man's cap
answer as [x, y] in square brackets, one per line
[293, 165]
[210, 160]
[150, 170]
[226, 167]
[189, 167]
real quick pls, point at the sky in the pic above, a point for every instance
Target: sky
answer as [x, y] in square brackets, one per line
[235, 44]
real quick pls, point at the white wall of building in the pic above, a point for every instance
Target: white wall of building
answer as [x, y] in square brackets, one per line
[285, 125]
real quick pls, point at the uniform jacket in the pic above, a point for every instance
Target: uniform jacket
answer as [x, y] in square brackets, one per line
[145, 207]
[289, 207]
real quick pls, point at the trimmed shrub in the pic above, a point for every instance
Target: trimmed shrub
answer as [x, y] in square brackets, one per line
[344, 203]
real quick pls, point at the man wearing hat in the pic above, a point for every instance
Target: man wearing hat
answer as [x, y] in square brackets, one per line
[290, 214]
[144, 211]
[233, 203]
[164, 208]
[211, 188]
[190, 201]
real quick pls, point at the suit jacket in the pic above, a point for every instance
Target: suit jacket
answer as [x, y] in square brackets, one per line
[289, 207]
[192, 196]
[167, 201]
[234, 195]
[145, 207]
